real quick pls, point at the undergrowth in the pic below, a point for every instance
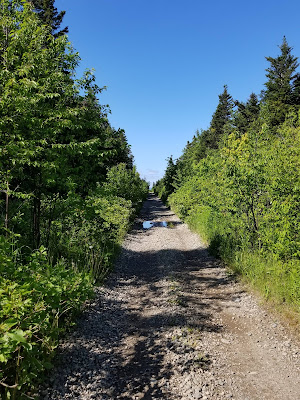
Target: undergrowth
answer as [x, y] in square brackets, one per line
[37, 304]
[277, 280]
[41, 291]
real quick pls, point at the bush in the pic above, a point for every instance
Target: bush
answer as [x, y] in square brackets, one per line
[125, 183]
[89, 231]
[42, 290]
[37, 302]
[243, 200]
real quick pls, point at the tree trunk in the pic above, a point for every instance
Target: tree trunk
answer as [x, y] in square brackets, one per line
[37, 214]
[50, 219]
[6, 207]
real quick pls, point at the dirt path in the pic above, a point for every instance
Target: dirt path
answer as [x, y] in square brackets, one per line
[171, 324]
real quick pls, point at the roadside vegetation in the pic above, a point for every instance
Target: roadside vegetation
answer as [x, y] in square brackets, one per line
[238, 183]
[69, 190]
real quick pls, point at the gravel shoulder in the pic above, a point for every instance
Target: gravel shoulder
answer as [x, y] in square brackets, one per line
[170, 323]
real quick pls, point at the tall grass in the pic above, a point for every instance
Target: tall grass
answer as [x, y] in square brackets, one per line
[276, 279]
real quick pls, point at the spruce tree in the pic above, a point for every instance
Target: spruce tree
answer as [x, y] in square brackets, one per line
[296, 90]
[169, 176]
[246, 113]
[282, 76]
[220, 118]
[49, 15]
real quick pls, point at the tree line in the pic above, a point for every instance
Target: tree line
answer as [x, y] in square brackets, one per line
[69, 189]
[237, 183]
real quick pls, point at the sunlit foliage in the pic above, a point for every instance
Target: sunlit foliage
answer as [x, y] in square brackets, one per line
[243, 195]
[68, 190]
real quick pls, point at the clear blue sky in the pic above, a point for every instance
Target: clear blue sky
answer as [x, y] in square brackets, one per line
[165, 62]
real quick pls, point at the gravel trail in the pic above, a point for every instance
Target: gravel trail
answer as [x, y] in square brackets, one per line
[171, 324]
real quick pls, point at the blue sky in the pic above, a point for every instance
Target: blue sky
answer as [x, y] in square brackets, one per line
[165, 62]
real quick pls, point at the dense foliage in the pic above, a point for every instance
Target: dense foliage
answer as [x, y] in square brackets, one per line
[243, 194]
[68, 189]
[49, 15]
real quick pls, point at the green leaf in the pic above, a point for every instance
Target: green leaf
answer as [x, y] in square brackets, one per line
[17, 336]
[9, 323]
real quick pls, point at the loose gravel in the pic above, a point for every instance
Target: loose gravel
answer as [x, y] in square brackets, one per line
[171, 323]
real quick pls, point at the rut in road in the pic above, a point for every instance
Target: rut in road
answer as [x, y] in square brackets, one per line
[170, 323]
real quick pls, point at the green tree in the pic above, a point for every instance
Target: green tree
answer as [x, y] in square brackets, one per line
[166, 185]
[35, 104]
[296, 90]
[246, 113]
[220, 118]
[281, 75]
[193, 152]
[126, 183]
[49, 15]
[54, 134]
[169, 176]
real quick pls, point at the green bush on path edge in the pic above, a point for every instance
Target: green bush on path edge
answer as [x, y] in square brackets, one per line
[39, 299]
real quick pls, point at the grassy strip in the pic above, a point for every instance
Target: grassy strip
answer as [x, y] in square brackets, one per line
[276, 280]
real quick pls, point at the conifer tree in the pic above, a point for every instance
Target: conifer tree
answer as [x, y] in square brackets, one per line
[169, 176]
[49, 15]
[246, 113]
[282, 76]
[296, 90]
[220, 118]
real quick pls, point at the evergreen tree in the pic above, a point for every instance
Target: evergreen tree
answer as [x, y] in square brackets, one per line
[168, 179]
[193, 152]
[220, 118]
[281, 76]
[49, 15]
[169, 175]
[246, 113]
[296, 90]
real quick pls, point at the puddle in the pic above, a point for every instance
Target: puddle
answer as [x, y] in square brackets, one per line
[147, 224]
[152, 224]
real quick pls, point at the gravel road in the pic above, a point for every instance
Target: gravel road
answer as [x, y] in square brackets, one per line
[170, 323]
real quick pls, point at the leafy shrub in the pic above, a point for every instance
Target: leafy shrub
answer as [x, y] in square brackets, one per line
[89, 231]
[38, 297]
[125, 183]
[243, 200]
[37, 302]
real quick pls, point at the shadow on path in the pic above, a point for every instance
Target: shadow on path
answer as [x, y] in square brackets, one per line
[118, 348]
